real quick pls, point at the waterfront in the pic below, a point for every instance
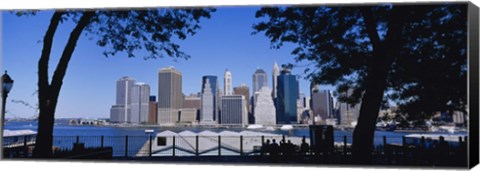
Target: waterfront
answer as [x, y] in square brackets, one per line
[87, 130]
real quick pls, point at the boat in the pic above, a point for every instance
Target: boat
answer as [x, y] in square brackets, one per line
[255, 126]
[286, 127]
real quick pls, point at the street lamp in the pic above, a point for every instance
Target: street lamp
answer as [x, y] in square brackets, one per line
[7, 84]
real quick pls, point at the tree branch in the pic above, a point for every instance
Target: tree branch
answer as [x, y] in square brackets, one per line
[60, 71]
[45, 57]
[371, 27]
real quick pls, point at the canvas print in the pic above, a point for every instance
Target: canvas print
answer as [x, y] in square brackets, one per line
[347, 85]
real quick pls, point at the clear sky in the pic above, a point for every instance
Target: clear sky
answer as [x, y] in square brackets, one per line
[223, 42]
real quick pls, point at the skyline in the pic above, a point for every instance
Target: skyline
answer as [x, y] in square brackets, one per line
[224, 40]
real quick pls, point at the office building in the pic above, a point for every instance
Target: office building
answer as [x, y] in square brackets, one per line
[264, 108]
[120, 112]
[234, 110]
[275, 74]
[227, 83]
[188, 115]
[322, 104]
[170, 97]
[215, 90]
[348, 113]
[287, 95]
[207, 101]
[152, 110]
[245, 91]
[140, 103]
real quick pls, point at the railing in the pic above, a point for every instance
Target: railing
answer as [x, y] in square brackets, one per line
[387, 150]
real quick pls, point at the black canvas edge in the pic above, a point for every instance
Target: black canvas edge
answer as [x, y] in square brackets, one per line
[473, 78]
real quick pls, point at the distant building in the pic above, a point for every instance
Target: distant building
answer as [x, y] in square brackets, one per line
[193, 101]
[152, 110]
[245, 91]
[227, 83]
[215, 90]
[259, 80]
[287, 95]
[322, 103]
[264, 108]
[306, 102]
[275, 74]
[348, 113]
[207, 101]
[140, 103]
[120, 112]
[234, 110]
[300, 111]
[170, 97]
[188, 115]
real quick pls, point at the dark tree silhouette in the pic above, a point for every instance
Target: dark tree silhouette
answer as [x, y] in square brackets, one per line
[151, 30]
[412, 55]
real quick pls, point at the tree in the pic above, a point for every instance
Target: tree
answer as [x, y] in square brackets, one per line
[129, 31]
[411, 55]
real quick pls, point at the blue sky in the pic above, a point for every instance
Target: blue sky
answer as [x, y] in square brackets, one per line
[223, 42]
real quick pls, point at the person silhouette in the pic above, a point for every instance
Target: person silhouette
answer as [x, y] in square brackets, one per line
[443, 151]
[266, 148]
[304, 147]
[274, 148]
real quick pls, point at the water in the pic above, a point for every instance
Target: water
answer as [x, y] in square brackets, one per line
[67, 130]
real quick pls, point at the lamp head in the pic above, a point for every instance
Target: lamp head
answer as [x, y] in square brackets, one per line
[7, 83]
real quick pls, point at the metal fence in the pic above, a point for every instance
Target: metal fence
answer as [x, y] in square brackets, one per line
[386, 150]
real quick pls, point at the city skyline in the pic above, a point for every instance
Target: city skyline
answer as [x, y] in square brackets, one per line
[88, 77]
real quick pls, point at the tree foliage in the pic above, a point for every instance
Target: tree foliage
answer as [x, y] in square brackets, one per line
[150, 33]
[428, 76]
[412, 55]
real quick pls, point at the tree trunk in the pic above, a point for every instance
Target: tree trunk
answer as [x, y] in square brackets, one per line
[384, 53]
[48, 94]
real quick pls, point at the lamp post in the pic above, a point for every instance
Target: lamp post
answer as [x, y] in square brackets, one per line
[7, 84]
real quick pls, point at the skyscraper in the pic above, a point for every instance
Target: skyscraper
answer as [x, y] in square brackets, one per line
[152, 110]
[348, 113]
[245, 91]
[227, 83]
[264, 108]
[170, 97]
[213, 82]
[287, 95]
[139, 105]
[275, 74]
[322, 104]
[120, 112]
[234, 110]
[259, 80]
[207, 100]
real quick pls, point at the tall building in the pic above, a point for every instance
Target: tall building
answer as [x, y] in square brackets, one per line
[287, 95]
[349, 113]
[322, 104]
[120, 112]
[234, 110]
[213, 83]
[207, 101]
[152, 110]
[264, 108]
[275, 74]
[259, 80]
[170, 97]
[227, 83]
[245, 91]
[139, 105]
[299, 110]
